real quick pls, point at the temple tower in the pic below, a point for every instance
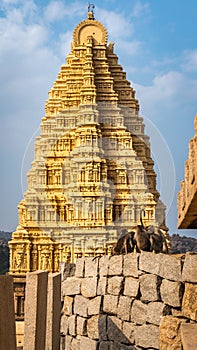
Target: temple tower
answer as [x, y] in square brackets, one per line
[92, 172]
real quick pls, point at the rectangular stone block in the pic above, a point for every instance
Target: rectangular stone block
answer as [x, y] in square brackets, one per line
[89, 287]
[102, 285]
[139, 312]
[149, 287]
[115, 285]
[81, 306]
[129, 331]
[88, 344]
[189, 336]
[110, 304]
[189, 303]
[72, 325]
[80, 267]
[71, 286]
[64, 325]
[147, 336]
[170, 267]
[124, 308]
[7, 316]
[103, 265]
[35, 310]
[91, 267]
[149, 262]
[171, 293]
[53, 311]
[114, 330]
[81, 326]
[68, 342]
[170, 334]
[75, 344]
[67, 270]
[94, 306]
[115, 265]
[68, 305]
[189, 273]
[93, 327]
[155, 311]
[130, 265]
[131, 287]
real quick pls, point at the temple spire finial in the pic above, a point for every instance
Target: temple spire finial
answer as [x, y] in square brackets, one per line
[91, 8]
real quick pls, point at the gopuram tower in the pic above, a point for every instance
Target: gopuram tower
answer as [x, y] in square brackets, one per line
[92, 172]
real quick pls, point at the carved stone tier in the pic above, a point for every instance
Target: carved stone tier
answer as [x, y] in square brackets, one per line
[92, 172]
[187, 196]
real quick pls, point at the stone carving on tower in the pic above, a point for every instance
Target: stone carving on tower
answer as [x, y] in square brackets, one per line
[92, 172]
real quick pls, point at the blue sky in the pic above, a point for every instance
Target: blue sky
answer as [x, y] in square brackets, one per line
[157, 46]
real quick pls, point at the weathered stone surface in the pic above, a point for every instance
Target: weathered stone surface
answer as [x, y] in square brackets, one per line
[105, 345]
[155, 311]
[124, 308]
[93, 327]
[170, 267]
[81, 326]
[170, 334]
[72, 324]
[97, 327]
[67, 270]
[68, 305]
[131, 286]
[115, 285]
[89, 287]
[171, 293]
[102, 327]
[71, 286]
[81, 306]
[147, 336]
[110, 304]
[130, 265]
[189, 336]
[138, 312]
[149, 287]
[120, 346]
[91, 267]
[102, 284]
[80, 267]
[149, 262]
[114, 330]
[189, 273]
[103, 265]
[115, 265]
[189, 304]
[64, 325]
[75, 344]
[94, 306]
[129, 331]
[68, 341]
[87, 344]
[62, 342]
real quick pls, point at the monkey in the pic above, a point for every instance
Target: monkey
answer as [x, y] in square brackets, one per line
[125, 243]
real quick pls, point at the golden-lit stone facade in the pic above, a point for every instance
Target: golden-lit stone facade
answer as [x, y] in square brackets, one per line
[92, 172]
[187, 197]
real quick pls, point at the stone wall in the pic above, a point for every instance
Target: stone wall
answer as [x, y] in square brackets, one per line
[133, 301]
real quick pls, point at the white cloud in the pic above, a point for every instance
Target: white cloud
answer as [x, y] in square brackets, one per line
[57, 10]
[190, 61]
[140, 9]
[117, 24]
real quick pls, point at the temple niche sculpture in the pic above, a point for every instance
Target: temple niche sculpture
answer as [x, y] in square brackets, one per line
[92, 172]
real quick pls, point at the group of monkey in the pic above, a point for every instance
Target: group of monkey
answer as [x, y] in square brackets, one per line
[142, 238]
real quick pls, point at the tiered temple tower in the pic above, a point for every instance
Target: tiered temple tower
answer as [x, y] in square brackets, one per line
[92, 172]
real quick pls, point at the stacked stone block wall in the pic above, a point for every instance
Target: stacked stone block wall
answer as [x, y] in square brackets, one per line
[133, 301]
